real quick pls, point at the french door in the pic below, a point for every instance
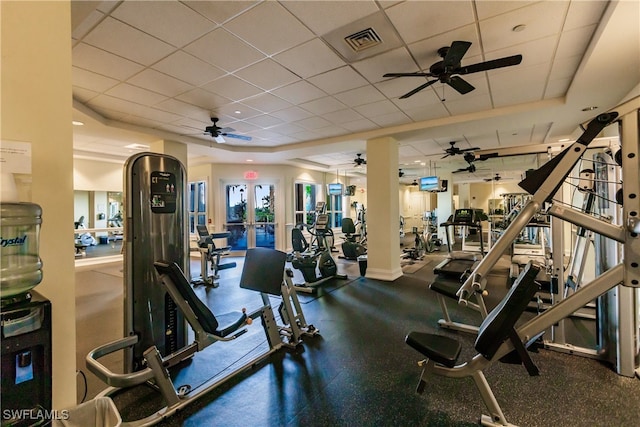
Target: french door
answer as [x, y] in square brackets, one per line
[250, 215]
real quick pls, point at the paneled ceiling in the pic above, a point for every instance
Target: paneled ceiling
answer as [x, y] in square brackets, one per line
[282, 74]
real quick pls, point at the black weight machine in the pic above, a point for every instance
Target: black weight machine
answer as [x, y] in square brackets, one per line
[311, 261]
[210, 256]
[498, 337]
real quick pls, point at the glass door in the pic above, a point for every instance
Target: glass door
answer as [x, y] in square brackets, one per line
[250, 215]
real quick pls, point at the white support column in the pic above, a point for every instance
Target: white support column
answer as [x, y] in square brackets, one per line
[383, 212]
[171, 148]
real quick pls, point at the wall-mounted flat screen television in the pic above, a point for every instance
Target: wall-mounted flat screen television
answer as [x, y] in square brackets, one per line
[433, 184]
[335, 189]
[350, 190]
[429, 183]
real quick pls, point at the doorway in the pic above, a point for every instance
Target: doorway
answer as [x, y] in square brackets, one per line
[250, 215]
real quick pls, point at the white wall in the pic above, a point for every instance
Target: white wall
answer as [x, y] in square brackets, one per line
[92, 175]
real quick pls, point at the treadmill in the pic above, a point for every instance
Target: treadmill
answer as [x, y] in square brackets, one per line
[458, 262]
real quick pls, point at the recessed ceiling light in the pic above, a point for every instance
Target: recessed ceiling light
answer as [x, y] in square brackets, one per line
[589, 108]
[249, 160]
[518, 28]
[416, 161]
[564, 140]
[77, 123]
[238, 112]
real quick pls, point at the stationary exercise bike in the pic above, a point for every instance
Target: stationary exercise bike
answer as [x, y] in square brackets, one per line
[351, 247]
[311, 261]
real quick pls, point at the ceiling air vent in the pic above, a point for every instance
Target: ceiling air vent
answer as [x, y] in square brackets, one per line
[362, 40]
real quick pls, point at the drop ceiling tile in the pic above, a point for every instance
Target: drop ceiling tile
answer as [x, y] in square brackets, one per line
[83, 95]
[224, 50]
[309, 59]
[423, 99]
[584, 13]
[417, 20]
[557, 87]
[468, 104]
[159, 82]
[338, 80]
[266, 102]
[575, 42]
[391, 119]
[203, 99]
[267, 75]
[188, 68]
[324, 105]
[232, 87]
[322, 19]
[420, 114]
[313, 123]
[565, 67]
[121, 39]
[292, 114]
[359, 125]
[92, 81]
[360, 96]
[299, 92]
[286, 128]
[270, 28]
[330, 131]
[488, 9]
[237, 111]
[244, 127]
[343, 116]
[80, 29]
[541, 19]
[135, 94]
[115, 104]
[184, 109]
[378, 108]
[102, 62]
[264, 121]
[395, 61]
[220, 11]
[170, 21]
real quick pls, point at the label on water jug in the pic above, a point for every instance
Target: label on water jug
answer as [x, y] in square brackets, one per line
[16, 241]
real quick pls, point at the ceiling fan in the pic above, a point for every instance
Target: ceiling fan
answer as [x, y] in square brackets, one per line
[497, 177]
[453, 150]
[400, 173]
[448, 70]
[359, 161]
[471, 169]
[217, 132]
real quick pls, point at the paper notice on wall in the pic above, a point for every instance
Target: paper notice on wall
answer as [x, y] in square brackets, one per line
[15, 157]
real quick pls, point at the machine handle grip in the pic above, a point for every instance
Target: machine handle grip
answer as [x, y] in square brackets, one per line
[109, 377]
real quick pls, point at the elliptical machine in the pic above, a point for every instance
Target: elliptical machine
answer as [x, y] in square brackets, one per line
[311, 262]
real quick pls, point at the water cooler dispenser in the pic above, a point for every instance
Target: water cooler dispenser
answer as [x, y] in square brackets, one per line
[25, 318]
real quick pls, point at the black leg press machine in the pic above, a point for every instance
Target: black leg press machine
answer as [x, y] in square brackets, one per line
[503, 335]
[159, 297]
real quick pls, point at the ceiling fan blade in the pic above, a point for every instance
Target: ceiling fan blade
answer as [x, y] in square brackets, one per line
[226, 129]
[460, 85]
[418, 89]
[242, 137]
[461, 170]
[490, 65]
[418, 74]
[219, 139]
[445, 156]
[455, 53]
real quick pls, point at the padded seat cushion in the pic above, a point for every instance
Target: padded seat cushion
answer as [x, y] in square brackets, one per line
[446, 287]
[439, 348]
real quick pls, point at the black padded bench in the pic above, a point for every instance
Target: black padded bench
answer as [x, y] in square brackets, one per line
[497, 327]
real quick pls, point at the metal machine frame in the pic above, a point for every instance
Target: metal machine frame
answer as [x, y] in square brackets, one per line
[543, 184]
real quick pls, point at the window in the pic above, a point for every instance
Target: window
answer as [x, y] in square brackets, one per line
[334, 209]
[197, 205]
[306, 196]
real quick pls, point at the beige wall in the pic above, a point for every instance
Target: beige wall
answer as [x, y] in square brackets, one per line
[36, 108]
[92, 175]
